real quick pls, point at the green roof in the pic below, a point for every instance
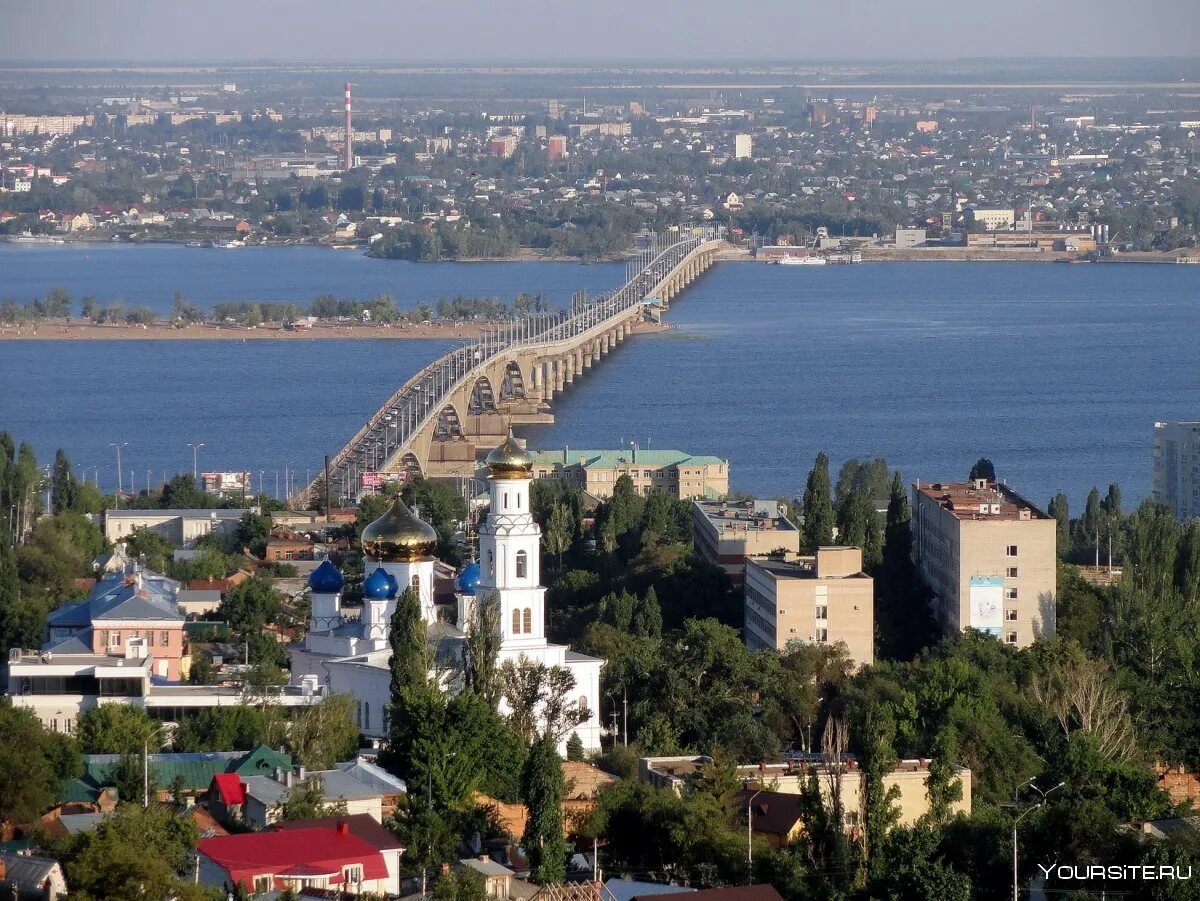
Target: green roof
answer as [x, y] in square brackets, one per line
[616, 459]
[196, 769]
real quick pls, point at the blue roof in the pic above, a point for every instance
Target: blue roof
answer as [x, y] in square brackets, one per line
[378, 586]
[627, 889]
[468, 579]
[395, 584]
[326, 579]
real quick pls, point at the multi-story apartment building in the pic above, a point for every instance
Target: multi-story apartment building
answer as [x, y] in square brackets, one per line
[180, 527]
[989, 556]
[727, 534]
[597, 471]
[743, 147]
[1177, 467]
[813, 600]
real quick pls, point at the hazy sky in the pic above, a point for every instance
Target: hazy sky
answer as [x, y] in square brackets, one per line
[444, 30]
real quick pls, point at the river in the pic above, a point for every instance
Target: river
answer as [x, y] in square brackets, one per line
[1057, 373]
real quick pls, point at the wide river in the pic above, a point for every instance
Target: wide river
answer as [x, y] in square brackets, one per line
[1057, 373]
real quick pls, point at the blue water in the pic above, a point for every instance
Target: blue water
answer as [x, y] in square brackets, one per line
[150, 274]
[1056, 373]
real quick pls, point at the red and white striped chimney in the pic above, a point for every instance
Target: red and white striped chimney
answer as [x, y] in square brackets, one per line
[349, 133]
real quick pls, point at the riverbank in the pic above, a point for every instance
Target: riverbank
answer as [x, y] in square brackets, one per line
[87, 331]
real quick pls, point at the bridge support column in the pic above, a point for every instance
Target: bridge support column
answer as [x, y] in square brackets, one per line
[536, 373]
[570, 368]
[560, 375]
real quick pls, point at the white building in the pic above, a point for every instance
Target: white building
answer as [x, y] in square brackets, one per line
[180, 527]
[1177, 467]
[743, 147]
[992, 219]
[352, 656]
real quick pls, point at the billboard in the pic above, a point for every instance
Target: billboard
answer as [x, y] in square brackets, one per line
[987, 604]
[377, 480]
[225, 482]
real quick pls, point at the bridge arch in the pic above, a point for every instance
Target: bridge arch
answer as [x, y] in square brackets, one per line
[483, 398]
[512, 387]
[410, 465]
[449, 424]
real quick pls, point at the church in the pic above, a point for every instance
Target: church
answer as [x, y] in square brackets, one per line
[351, 655]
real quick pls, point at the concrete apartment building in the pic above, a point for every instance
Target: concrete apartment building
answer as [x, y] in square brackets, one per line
[992, 219]
[743, 147]
[990, 557]
[910, 778]
[596, 471]
[726, 534]
[822, 599]
[1177, 467]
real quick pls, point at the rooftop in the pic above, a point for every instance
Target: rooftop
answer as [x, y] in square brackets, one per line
[980, 500]
[745, 516]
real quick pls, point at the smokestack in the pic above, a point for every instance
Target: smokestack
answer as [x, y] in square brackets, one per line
[349, 133]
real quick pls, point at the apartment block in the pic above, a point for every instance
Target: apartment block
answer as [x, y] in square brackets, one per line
[596, 471]
[1177, 467]
[727, 534]
[821, 599]
[990, 557]
[743, 147]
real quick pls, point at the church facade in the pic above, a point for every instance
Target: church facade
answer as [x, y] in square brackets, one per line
[352, 655]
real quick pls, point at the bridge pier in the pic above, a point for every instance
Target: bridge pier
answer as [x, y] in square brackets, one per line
[560, 380]
[571, 368]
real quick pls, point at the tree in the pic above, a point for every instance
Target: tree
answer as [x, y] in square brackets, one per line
[480, 673]
[647, 619]
[983, 469]
[306, 801]
[322, 734]
[460, 884]
[152, 547]
[879, 811]
[64, 490]
[410, 661]
[251, 533]
[944, 785]
[114, 729]
[542, 791]
[130, 779]
[575, 747]
[180, 493]
[818, 508]
[560, 529]
[1060, 510]
[32, 761]
[250, 606]
[536, 692]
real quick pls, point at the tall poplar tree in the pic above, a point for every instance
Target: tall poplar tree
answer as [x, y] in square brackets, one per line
[818, 506]
[542, 791]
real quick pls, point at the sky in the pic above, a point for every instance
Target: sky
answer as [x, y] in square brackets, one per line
[585, 30]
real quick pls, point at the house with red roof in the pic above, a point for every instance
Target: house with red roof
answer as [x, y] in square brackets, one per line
[323, 857]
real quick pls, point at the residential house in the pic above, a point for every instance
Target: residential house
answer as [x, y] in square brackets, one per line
[366, 828]
[24, 877]
[265, 795]
[284, 543]
[775, 816]
[497, 878]
[321, 857]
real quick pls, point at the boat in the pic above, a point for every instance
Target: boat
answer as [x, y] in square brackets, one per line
[27, 238]
[802, 261]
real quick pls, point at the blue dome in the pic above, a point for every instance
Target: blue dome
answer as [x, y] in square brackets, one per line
[325, 579]
[378, 586]
[395, 585]
[468, 579]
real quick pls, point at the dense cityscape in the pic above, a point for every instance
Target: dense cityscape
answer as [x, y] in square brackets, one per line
[444, 657]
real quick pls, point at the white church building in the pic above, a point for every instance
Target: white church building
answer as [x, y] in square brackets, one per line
[351, 655]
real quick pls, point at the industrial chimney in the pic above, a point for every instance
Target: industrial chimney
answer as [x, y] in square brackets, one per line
[349, 133]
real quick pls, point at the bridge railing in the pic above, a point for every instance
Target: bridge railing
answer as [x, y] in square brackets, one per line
[421, 398]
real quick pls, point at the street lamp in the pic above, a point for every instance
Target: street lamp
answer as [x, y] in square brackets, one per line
[120, 484]
[750, 827]
[1042, 803]
[195, 457]
[146, 766]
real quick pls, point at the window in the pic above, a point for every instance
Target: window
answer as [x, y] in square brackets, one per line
[522, 564]
[822, 612]
[366, 723]
[263, 884]
[491, 564]
[516, 628]
[518, 500]
[1011, 638]
[352, 875]
[1010, 593]
[1010, 615]
[415, 582]
[528, 621]
[150, 638]
[164, 638]
[506, 500]
[1010, 573]
[1010, 551]
[822, 635]
[114, 639]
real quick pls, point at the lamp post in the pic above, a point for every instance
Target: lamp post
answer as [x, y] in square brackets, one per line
[750, 828]
[195, 458]
[120, 485]
[146, 766]
[1041, 803]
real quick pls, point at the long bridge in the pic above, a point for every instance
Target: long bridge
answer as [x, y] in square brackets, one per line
[466, 400]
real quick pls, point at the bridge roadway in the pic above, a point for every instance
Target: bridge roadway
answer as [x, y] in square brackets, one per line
[467, 399]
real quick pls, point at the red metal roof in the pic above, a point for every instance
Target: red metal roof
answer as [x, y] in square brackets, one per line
[293, 851]
[230, 788]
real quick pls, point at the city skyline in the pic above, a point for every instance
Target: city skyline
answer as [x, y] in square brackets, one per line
[541, 31]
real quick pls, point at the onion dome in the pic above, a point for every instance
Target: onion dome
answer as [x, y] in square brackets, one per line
[325, 579]
[394, 582]
[509, 460]
[378, 586]
[399, 536]
[468, 579]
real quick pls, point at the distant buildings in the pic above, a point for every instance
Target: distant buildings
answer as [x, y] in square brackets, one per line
[503, 146]
[990, 557]
[180, 527]
[1177, 467]
[556, 147]
[909, 237]
[673, 471]
[728, 533]
[12, 125]
[992, 219]
[743, 147]
[910, 779]
[824, 599]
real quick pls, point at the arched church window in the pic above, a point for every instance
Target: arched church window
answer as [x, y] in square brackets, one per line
[416, 583]
[522, 564]
[528, 621]
[516, 622]
[583, 705]
[366, 724]
[506, 500]
[491, 563]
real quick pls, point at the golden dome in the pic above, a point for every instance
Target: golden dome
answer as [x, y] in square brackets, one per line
[509, 460]
[399, 536]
